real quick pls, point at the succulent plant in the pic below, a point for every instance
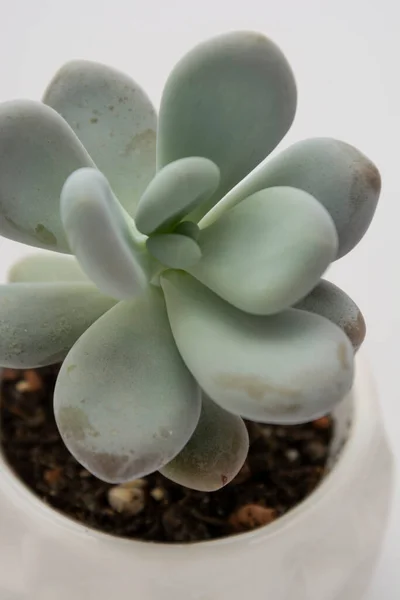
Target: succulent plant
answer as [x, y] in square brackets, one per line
[196, 299]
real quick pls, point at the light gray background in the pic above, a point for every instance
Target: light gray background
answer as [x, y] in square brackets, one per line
[346, 57]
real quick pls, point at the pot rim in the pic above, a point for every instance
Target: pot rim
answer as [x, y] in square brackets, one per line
[365, 411]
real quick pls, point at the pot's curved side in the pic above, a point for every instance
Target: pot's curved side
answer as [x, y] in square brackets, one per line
[325, 549]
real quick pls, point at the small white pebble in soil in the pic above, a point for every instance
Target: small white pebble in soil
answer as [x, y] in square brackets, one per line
[30, 383]
[158, 494]
[23, 386]
[129, 501]
[292, 454]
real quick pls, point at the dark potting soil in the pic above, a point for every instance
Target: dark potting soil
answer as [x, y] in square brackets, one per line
[284, 465]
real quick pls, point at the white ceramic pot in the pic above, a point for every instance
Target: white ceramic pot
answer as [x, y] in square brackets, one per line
[325, 549]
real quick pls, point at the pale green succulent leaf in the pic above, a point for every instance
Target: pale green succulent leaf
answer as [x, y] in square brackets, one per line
[125, 403]
[41, 268]
[99, 235]
[176, 190]
[329, 301]
[267, 252]
[345, 181]
[40, 322]
[214, 454]
[114, 119]
[288, 368]
[38, 151]
[231, 99]
[189, 229]
[174, 250]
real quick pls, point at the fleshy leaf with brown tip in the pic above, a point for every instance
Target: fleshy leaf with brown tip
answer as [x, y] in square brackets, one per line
[124, 402]
[288, 368]
[334, 304]
[343, 179]
[214, 454]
